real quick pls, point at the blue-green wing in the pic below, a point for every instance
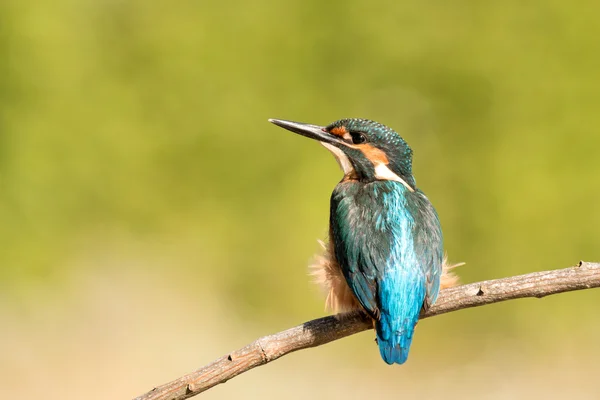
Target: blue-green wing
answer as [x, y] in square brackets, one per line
[429, 247]
[360, 248]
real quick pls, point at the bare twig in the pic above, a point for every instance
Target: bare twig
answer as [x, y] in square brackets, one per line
[324, 330]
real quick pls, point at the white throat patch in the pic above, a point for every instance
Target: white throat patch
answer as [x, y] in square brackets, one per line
[383, 172]
[341, 158]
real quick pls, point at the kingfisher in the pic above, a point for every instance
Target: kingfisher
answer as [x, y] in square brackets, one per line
[385, 250]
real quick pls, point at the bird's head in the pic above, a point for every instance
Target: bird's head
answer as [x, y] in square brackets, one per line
[366, 150]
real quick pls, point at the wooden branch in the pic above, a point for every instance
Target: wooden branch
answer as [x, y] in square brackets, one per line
[324, 330]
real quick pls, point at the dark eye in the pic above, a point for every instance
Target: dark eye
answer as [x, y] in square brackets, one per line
[358, 137]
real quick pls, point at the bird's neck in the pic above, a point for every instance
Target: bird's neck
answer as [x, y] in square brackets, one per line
[376, 194]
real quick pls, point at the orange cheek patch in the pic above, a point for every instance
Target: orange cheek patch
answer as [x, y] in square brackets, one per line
[372, 153]
[339, 131]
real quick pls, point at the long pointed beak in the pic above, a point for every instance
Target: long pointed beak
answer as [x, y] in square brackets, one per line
[310, 131]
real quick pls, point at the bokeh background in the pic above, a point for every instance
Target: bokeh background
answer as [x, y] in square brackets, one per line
[153, 220]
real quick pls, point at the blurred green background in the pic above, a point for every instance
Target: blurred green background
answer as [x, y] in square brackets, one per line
[153, 220]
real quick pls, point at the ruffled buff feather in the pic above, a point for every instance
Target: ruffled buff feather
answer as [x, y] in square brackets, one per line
[328, 274]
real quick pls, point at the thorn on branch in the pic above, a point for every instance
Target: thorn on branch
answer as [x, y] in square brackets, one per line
[189, 388]
[586, 265]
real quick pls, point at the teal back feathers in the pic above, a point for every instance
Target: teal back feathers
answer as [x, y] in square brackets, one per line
[389, 244]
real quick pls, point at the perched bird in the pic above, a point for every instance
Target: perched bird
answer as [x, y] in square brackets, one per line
[385, 251]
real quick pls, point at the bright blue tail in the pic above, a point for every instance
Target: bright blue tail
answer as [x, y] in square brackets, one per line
[401, 302]
[393, 346]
